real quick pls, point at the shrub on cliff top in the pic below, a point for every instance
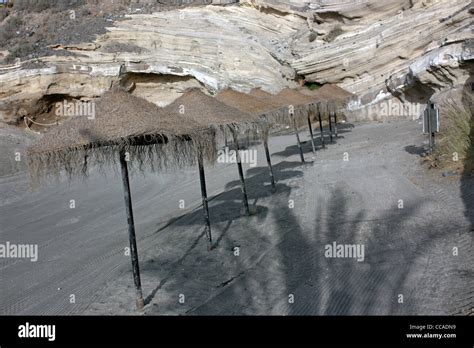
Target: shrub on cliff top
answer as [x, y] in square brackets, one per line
[42, 5]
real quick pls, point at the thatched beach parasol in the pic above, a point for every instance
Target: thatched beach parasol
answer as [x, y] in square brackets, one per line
[281, 109]
[263, 112]
[209, 112]
[331, 92]
[121, 122]
[131, 129]
[307, 108]
[262, 109]
[331, 100]
[296, 107]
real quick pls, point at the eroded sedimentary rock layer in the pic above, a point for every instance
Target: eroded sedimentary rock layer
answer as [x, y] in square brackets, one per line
[337, 10]
[365, 58]
[375, 49]
[218, 46]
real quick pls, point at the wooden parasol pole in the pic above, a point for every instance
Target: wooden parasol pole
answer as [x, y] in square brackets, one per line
[226, 145]
[311, 113]
[131, 231]
[269, 160]
[330, 124]
[241, 172]
[292, 115]
[205, 204]
[320, 118]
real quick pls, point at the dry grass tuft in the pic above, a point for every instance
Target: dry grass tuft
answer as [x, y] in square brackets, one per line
[458, 135]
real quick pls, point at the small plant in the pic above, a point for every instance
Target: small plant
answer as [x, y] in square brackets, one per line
[312, 36]
[42, 5]
[457, 141]
[9, 28]
[4, 12]
[20, 50]
[312, 86]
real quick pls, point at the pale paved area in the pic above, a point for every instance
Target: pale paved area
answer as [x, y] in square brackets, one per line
[407, 251]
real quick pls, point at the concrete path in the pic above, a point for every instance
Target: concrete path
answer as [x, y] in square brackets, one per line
[407, 219]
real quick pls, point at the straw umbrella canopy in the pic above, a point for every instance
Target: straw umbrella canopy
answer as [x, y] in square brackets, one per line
[317, 104]
[121, 122]
[324, 103]
[303, 109]
[327, 90]
[330, 92]
[302, 104]
[280, 113]
[296, 109]
[263, 112]
[134, 129]
[245, 102]
[260, 93]
[210, 112]
[289, 101]
[331, 99]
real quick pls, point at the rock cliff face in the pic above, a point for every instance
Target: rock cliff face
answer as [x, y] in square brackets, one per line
[335, 10]
[409, 49]
[428, 42]
[209, 46]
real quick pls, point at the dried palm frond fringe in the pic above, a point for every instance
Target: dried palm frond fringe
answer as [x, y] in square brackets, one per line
[122, 123]
[175, 152]
[173, 136]
[263, 113]
[289, 105]
[330, 97]
[207, 111]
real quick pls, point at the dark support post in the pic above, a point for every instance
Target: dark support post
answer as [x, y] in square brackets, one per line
[205, 205]
[431, 132]
[225, 139]
[131, 232]
[311, 131]
[269, 160]
[298, 138]
[429, 127]
[320, 118]
[330, 125]
[241, 173]
[431, 124]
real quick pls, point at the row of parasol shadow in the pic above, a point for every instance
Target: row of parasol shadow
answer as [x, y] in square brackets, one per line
[190, 131]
